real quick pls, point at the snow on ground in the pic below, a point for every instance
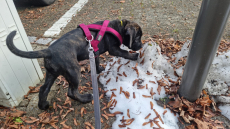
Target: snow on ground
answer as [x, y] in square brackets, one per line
[225, 110]
[139, 107]
[218, 78]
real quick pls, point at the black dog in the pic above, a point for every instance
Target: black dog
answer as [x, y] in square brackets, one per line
[61, 58]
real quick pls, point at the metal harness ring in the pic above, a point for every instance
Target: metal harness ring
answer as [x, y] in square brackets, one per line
[89, 40]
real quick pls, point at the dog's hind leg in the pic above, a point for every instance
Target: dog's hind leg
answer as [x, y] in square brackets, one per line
[44, 91]
[73, 78]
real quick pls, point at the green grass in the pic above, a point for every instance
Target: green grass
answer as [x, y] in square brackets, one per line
[18, 120]
[175, 31]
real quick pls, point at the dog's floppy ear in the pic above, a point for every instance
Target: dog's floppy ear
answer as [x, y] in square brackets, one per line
[130, 32]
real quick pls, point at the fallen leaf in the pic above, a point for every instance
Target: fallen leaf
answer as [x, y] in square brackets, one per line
[83, 111]
[106, 117]
[201, 124]
[124, 74]
[88, 124]
[147, 116]
[119, 68]
[165, 111]
[127, 62]
[128, 113]
[151, 104]
[108, 81]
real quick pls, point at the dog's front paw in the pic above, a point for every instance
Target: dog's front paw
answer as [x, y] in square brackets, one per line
[44, 105]
[100, 69]
[135, 56]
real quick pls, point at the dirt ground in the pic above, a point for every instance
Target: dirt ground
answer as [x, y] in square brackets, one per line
[173, 18]
[176, 18]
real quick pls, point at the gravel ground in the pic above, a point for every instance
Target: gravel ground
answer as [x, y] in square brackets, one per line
[174, 18]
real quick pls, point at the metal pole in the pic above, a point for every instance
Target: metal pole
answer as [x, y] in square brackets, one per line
[209, 29]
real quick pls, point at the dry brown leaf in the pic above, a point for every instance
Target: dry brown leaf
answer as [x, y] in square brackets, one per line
[135, 81]
[115, 89]
[63, 116]
[88, 124]
[61, 111]
[67, 101]
[201, 124]
[121, 126]
[119, 68]
[120, 90]
[151, 104]
[118, 112]
[106, 117]
[165, 111]
[147, 116]
[108, 81]
[124, 74]
[59, 99]
[59, 106]
[17, 113]
[159, 89]
[13, 126]
[112, 65]
[126, 94]
[142, 62]
[177, 103]
[128, 113]
[156, 122]
[146, 96]
[54, 106]
[127, 62]
[83, 111]
[134, 96]
[145, 123]
[158, 116]
[102, 120]
[184, 117]
[190, 127]
[101, 96]
[153, 82]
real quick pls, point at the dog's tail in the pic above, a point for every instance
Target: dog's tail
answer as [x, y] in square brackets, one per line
[26, 54]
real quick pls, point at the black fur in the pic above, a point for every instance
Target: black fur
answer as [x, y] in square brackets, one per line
[61, 57]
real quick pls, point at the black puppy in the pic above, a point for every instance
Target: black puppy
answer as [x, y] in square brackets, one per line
[61, 58]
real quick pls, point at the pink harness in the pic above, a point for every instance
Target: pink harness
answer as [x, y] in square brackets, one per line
[103, 28]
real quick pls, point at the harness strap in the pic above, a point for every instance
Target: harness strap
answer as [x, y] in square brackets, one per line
[103, 28]
[108, 29]
[86, 31]
[100, 35]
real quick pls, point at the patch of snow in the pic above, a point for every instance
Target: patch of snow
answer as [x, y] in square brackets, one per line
[139, 107]
[218, 77]
[217, 83]
[215, 88]
[184, 51]
[44, 41]
[32, 39]
[223, 99]
[225, 110]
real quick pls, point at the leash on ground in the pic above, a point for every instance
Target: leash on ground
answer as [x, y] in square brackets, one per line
[97, 113]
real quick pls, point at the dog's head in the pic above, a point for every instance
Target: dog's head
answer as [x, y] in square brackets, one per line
[133, 33]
